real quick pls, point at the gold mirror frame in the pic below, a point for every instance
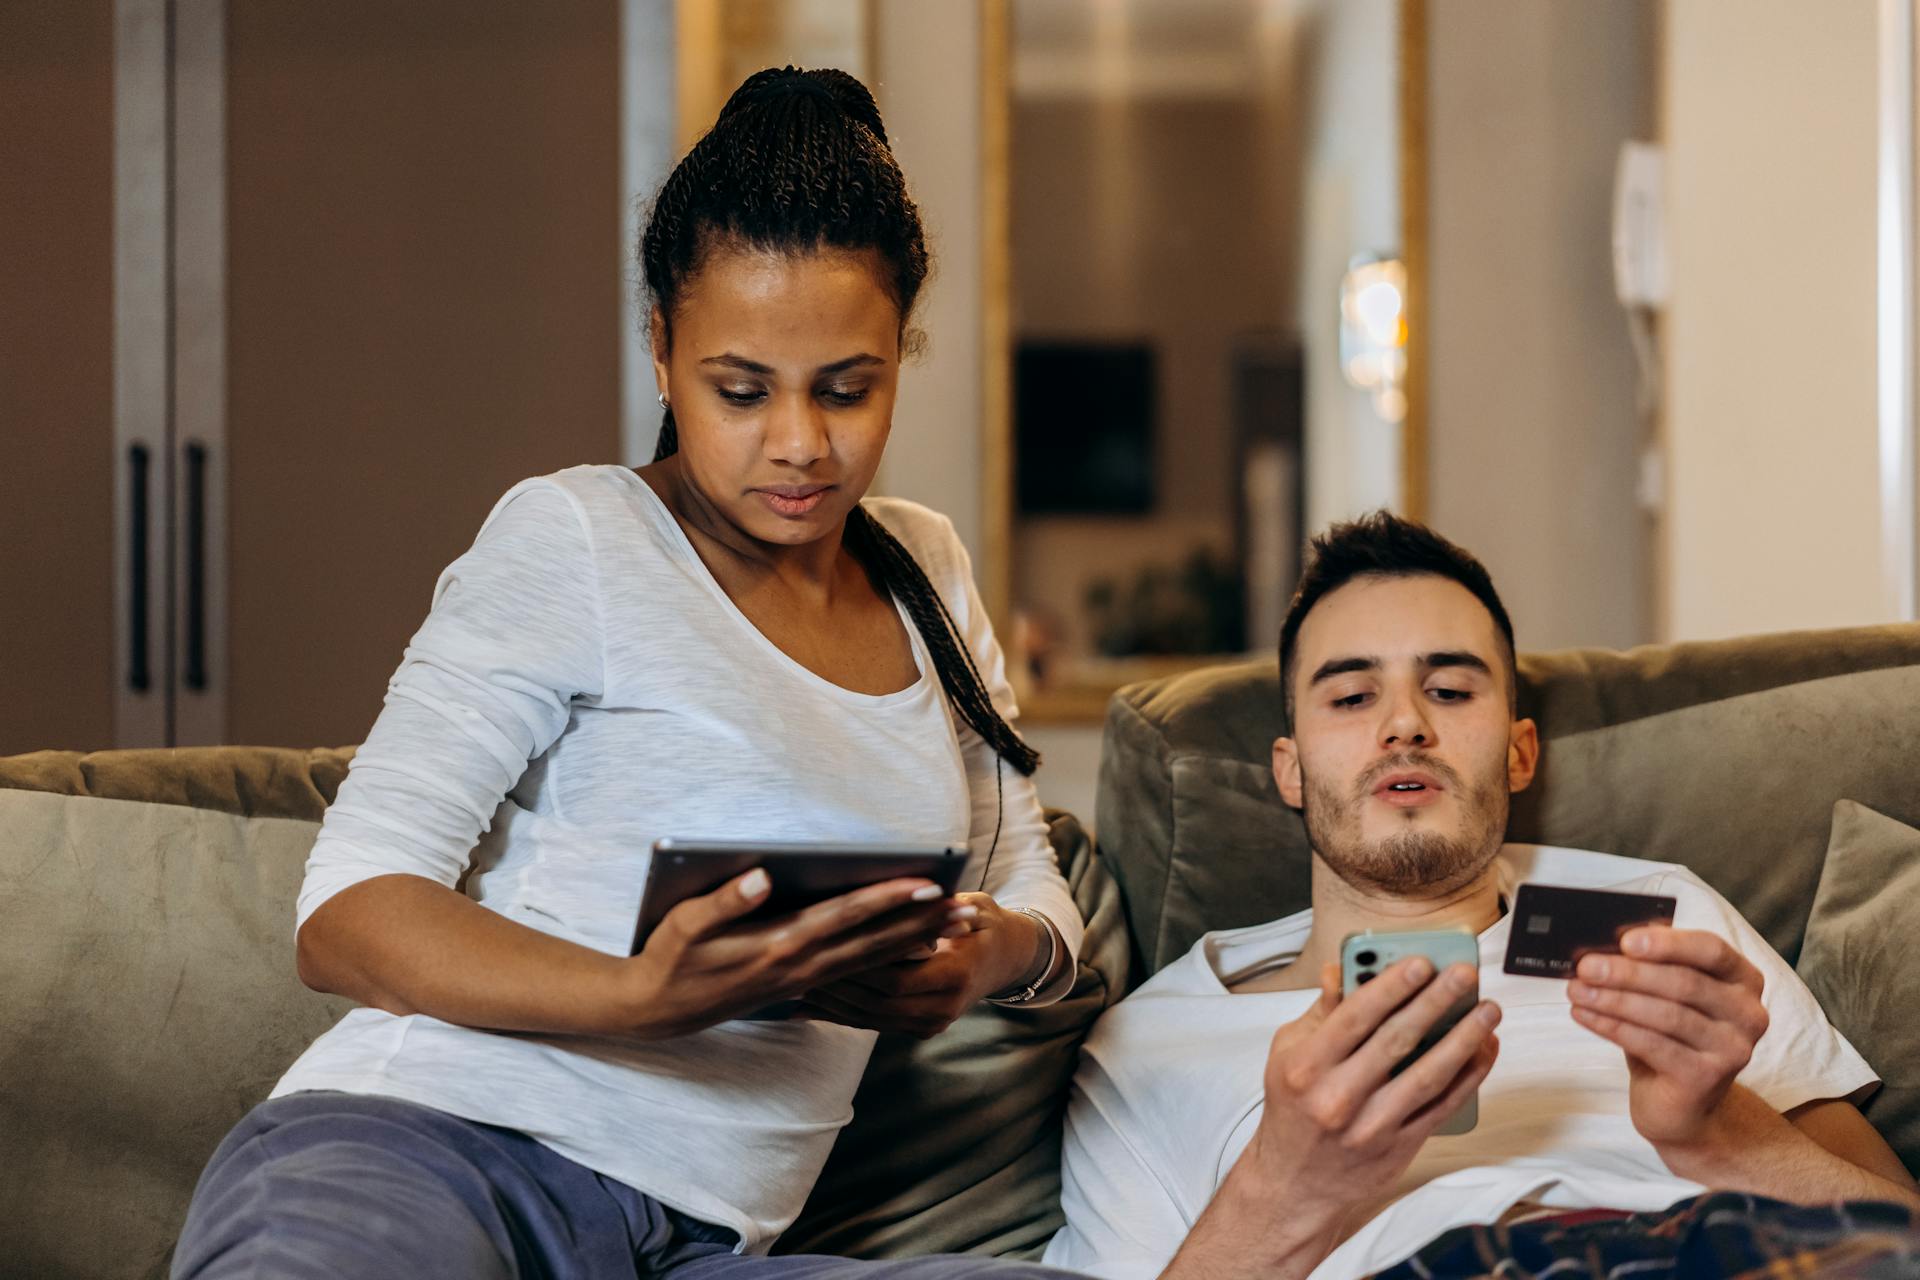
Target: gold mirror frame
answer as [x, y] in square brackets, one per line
[1086, 703]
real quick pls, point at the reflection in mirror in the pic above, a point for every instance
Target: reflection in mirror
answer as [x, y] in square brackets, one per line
[1193, 182]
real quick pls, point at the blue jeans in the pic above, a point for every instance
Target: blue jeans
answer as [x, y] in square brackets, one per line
[325, 1185]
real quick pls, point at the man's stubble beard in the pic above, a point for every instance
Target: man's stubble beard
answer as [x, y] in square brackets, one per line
[1410, 862]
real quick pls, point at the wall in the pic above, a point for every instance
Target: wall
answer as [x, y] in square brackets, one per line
[1534, 435]
[57, 669]
[927, 84]
[1770, 340]
[1348, 70]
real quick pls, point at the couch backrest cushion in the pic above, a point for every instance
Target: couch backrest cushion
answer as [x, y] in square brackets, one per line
[250, 782]
[149, 1002]
[954, 1145]
[1862, 959]
[1726, 756]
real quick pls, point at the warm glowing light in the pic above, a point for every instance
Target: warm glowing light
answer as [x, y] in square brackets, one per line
[1373, 332]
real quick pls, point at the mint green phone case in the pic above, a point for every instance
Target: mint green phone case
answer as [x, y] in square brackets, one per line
[1364, 954]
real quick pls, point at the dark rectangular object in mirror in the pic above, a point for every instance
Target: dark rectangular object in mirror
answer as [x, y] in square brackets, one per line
[1083, 427]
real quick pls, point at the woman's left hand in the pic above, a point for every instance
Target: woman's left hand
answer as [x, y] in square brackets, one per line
[998, 950]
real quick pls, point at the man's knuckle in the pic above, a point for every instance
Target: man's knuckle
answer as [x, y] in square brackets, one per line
[1330, 1109]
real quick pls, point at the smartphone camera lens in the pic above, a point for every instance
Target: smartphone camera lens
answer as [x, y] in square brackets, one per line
[1364, 957]
[1365, 976]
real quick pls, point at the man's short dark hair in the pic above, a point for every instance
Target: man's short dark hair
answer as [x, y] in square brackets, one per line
[1382, 545]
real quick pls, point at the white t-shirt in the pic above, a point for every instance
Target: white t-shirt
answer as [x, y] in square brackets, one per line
[1169, 1091]
[581, 662]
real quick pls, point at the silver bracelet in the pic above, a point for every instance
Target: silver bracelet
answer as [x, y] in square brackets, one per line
[1027, 993]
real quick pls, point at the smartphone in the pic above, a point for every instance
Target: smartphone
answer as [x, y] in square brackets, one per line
[803, 872]
[1365, 955]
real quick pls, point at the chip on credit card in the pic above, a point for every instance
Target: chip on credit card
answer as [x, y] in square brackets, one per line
[1552, 927]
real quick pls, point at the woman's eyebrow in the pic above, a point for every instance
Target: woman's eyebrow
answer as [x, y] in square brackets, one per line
[731, 361]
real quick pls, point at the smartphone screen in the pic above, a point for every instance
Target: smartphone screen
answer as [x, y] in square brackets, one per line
[1363, 956]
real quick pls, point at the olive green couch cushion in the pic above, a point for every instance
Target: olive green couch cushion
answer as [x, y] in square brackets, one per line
[1862, 958]
[1727, 757]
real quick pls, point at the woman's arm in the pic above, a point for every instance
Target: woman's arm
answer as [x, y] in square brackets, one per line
[408, 945]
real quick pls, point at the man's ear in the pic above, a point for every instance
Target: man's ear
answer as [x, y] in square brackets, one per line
[657, 345]
[1523, 754]
[1286, 770]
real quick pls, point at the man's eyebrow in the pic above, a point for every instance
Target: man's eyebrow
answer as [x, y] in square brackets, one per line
[1341, 666]
[1456, 658]
[731, 361]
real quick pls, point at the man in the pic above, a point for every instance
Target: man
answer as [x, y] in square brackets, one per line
[1203, 1143]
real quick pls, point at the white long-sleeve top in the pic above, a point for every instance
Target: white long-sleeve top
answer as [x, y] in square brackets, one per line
[581, 688]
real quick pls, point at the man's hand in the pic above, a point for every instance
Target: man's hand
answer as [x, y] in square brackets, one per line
[1685, 1006]
[1338, 1126]
[921, 995]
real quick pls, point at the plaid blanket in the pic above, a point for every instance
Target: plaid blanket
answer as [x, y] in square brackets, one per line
[1723, 1233]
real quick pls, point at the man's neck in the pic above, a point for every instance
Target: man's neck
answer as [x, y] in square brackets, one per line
[1341, 908]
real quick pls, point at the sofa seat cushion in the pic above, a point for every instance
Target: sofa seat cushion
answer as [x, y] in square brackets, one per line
[149, 1002]
[1862, 958]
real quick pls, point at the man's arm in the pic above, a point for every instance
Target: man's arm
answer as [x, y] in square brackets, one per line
[1685, 1006]
[1752, 1147]
[1337, 1125]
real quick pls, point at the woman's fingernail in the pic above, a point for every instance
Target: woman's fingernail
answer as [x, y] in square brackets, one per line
[927, 893]
[1488, 1013]
[754, 884]
[955, 931]
[1578, 991]
[1419, 969]
[963, 913]
[1638, 942]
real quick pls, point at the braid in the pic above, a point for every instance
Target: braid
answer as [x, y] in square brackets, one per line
[902, 575]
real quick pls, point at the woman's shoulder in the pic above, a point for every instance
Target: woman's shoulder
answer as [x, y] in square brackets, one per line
[586, 495]
[928, 534]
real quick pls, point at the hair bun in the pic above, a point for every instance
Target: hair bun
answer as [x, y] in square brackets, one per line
[828, 84]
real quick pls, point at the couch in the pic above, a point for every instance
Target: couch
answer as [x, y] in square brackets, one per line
[148, 996]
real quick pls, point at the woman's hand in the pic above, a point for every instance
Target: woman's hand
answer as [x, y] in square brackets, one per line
[704, 965]
[996, 950]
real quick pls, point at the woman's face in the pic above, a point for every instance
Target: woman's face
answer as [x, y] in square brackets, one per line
[781, 373]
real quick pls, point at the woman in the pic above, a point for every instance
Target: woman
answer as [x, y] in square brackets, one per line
[726, 644]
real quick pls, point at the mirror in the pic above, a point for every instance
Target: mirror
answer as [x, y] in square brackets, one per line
[1208, 344]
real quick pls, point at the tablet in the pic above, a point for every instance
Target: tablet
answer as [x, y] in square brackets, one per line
[803, 872]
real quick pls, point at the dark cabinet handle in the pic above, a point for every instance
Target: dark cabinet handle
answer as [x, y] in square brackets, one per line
[195, 676]
[139, 666]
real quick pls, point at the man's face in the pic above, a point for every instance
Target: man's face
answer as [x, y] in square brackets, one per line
[1405, 749]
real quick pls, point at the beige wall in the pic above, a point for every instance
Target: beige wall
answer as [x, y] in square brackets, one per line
[927, 83]
[1350, 205]
[1772, 511]
[1534, 436]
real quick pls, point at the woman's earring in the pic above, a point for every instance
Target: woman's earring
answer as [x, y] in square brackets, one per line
[662, 398]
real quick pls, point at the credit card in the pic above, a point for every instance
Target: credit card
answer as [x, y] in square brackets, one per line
[1553, 927]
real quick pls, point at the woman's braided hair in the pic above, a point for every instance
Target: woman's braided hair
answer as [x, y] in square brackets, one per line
[798, 161]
